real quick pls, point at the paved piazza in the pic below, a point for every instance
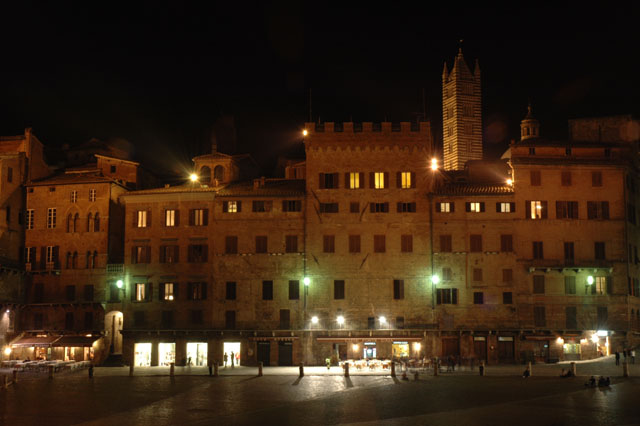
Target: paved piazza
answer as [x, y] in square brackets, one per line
[280, 397]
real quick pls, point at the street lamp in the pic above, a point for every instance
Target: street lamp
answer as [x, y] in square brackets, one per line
[193, 177]
[434, 164]
[314, 320]
[590, 280]
[340, 320]
[435, 279]
[305, 132]
[306, 281]
[119, 284]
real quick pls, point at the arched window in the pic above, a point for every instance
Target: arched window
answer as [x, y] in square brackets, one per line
[70, 223]
[218, 173]
[205, 174]
[96, 223]
[76, 221]
[68, 260]
[74, 260]
[89, 222]
[95, 259]
[89, 262]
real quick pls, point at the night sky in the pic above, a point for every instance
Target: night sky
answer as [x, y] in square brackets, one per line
[160, 75]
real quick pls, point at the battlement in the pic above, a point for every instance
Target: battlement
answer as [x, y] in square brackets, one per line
[368, 127]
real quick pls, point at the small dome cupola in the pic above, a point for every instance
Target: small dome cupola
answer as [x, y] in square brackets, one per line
[529, 126]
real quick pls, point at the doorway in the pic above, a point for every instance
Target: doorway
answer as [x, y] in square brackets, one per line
[232, 349]
[480, 347]
[505, 349]
[285, 353]
[166, 353]
[450, 347]
[369, 350]
[113, 329]
[197, 353]
[142, 356]
[264, 353]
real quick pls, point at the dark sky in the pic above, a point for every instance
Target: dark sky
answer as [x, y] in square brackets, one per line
[159, 75]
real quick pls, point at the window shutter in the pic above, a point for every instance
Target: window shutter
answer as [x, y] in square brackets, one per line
[336, 182]
[386, 180]
[512, 208]
[205, 217]
[239, 206]
[284, 206]
[133, 255]
[398, 179]
[401, 289]
[372, 207]
[149, 217]
[192, 217]
[204, 290]
[438, 210]
[527, 209]
[321, 181]
[399, 207]
[205, 252]
[347, 181]
[147, 254]
[544, 209]
[149, 288]
[609, 281]
[161, 291]
[497, 207]
[225, 207]
[467, 206]
[605, 210]
[372, 180]
[163, 257]
[574, 210]
[135, 218]
[175, 291]
[361, 179]
[452, 207]
[176, 253]
[56, 257]
[133, 292]
[454, 296]
[413, 179]
[482, 206]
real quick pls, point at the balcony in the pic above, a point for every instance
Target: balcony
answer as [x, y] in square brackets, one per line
[115, 268]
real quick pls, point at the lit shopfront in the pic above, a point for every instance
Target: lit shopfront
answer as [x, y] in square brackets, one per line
[197, 353]
[142, 354]
[232, 349]
[166, 353]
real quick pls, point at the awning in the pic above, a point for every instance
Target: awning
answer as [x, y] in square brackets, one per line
[29, 341]
[76, 341]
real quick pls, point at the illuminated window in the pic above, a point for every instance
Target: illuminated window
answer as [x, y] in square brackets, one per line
[142, 219]
[445, 207]
[170, 218]
[29, 219]
[51, 218]
[405, 180]
[379, 180]
[198, 217]
[475, 207]
[536, 210]
[354, 180]
[92, 195]
[231, 206]
[168, 291]
[74, 196]
[506, 207]
[140, 292]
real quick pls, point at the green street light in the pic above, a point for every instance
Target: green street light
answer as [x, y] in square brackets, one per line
[306, 281]
[119, 283]
[435, 279]
[589, 280]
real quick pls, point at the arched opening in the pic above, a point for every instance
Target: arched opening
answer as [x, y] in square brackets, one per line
[205, 174]
[218, 173]
[89, 222]
[113, 322]
[96, 224]
[76, 218]
[70, 224]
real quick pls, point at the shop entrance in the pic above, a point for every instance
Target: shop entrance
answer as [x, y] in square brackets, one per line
[571, 351]
[197, 353]
[142, 356]
[541, 351]
[480, 347]
[232, 349]
[505, 349]
[113, 331]
[166, 353]
[285, 353]
[264, 353]
[450, 347]
[369, 351]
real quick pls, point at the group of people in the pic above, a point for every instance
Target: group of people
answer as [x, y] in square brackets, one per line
[631, 353]
[235, 359]
[601, 382]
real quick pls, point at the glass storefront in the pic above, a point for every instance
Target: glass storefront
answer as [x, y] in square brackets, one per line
[142, 357]
[400, 349]
[230, 348]
[197, 353]
[369, 350]
[166, 353]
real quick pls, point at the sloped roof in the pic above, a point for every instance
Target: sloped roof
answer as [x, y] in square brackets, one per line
[474, 189]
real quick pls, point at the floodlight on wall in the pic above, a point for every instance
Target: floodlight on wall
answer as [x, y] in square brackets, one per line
[306, 281]
[193, 177]
[382, 319]
[434, 164]
[314, 319]
[590, 280]
[435, 279]
[340, 319]
[119, 283]
[305, 132]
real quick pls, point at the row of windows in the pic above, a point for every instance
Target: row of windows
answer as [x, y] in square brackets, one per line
[535, 209]
[599, 286]
[73, 194]
[70, 293]
[383, 207]
[69, 321]
[50, 255]
[571, 317]
[356, 180]
[566, 179]
[169, 291]
[92, 223]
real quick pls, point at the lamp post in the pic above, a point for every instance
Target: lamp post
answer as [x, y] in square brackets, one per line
[120, 287]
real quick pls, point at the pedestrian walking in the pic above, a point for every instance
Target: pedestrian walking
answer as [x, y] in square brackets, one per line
[617, 358]
[226, 357]
[232, 359]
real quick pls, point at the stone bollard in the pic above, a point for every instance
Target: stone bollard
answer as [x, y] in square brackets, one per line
[436, 366]
[91, 371]
[625, 369]
[260, 365]
[171, 369]
[393, 369]
[131, 370]
[529, 368]
[51, 371]
[573, 368]
[216, 365]
[482, 368]
[15, 376]
[210, 370]
[302, 369]
[346, 369]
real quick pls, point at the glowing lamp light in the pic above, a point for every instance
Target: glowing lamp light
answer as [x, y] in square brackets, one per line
[589, 280]
[509, 182]
[193, 177]
[583, 341]
[306, 281]
[355, 347]
[434, 164]
[417, 346]
[314, 320]
[435, 279]
[7, 351]
[119, 283]
[595, 338]
[305, 132]
[560, 340]
[382, 319]
[340, 319]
